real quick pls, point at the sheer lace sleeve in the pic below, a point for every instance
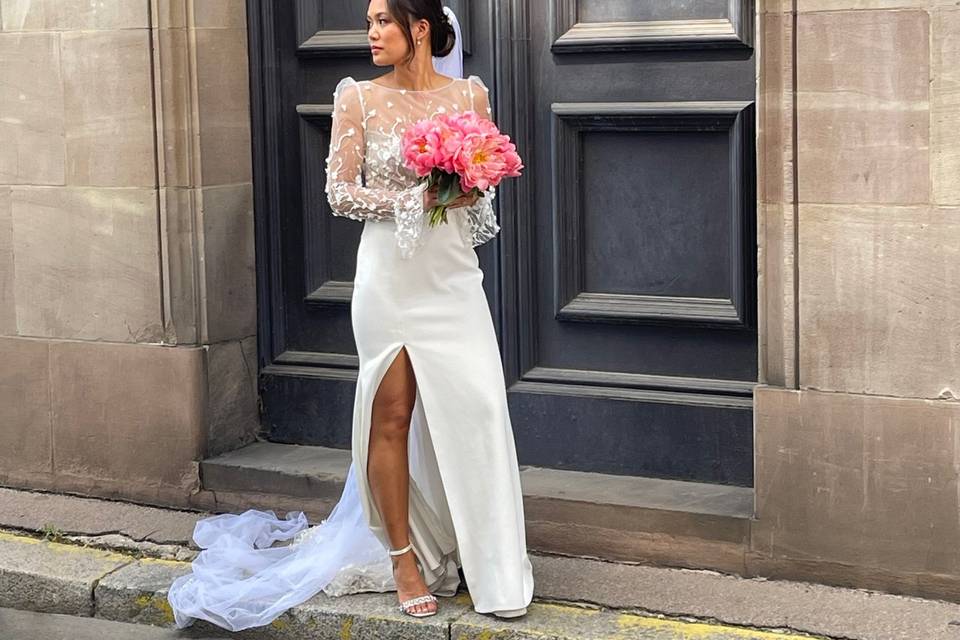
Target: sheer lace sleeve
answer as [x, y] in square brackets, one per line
[480, 220]
[346, 192]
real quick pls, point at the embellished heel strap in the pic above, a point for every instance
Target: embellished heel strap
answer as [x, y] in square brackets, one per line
[397, 552]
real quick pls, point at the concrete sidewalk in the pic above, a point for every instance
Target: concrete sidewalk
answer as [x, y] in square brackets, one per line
[113, 561]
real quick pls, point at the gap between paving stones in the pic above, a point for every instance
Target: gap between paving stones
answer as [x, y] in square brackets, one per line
[114, 541]
[128, 588]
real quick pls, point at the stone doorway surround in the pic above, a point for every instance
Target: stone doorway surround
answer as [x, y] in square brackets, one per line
[857, 424]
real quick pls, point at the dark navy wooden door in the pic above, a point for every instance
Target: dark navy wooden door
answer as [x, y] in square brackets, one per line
[623, 280]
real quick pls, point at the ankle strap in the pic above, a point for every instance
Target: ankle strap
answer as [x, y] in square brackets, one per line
[397, 552]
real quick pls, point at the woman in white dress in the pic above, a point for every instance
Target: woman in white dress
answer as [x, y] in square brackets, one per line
[434, 483]
[424, 333]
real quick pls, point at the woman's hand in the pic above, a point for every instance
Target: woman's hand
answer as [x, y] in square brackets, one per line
[430, 199]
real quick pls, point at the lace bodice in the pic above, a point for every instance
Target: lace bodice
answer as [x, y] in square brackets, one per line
[366, 177]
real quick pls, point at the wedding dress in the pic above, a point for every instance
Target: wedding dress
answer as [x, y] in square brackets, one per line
[418, 287]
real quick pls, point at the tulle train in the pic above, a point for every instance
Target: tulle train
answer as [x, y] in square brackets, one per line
[241, 579]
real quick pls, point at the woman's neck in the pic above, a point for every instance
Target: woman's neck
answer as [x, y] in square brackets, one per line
[420, 79]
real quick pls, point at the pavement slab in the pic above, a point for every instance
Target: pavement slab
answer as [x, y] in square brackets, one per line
[33, 510]
[137, 592]
[806, 607]
[51, 577]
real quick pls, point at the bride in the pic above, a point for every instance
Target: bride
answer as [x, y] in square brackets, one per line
[434, 484]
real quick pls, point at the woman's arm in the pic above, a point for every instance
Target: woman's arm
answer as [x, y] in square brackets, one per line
[344, 187]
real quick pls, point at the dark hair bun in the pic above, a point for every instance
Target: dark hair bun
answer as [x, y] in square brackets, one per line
[442, 36]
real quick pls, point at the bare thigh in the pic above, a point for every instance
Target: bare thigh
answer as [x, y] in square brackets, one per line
[387, 462]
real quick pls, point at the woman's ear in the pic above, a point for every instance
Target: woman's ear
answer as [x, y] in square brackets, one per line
[421, 29]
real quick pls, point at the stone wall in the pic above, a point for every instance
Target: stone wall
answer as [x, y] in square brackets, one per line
[127, 280]
[858, 426]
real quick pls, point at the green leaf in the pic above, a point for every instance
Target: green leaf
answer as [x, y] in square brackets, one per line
[449, 189]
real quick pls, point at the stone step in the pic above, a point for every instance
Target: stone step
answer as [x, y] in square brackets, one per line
[287, 469]
[649, 520]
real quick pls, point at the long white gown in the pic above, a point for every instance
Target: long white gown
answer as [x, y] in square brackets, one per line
[418, 287]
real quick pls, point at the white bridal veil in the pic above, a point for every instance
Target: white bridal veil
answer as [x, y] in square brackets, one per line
[240, 580]
[452, 63]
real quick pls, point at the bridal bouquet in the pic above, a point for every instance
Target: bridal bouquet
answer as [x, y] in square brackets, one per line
[460, 152]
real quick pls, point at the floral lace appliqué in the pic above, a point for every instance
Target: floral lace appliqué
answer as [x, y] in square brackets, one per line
[411, 221]
[366, 177]
[480, 220]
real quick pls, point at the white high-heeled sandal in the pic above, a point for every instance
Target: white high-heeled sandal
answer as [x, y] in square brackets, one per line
[407, 605]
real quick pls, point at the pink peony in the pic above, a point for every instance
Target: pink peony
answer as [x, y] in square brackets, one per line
[461, 145]
[423, 146]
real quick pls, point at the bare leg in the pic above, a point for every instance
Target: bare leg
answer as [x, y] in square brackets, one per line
[388, 471]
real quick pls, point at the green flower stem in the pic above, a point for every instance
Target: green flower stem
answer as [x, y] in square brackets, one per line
[438, 214]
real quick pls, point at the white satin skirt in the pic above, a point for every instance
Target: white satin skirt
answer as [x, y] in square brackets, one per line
[465, 500]
[466, 505]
